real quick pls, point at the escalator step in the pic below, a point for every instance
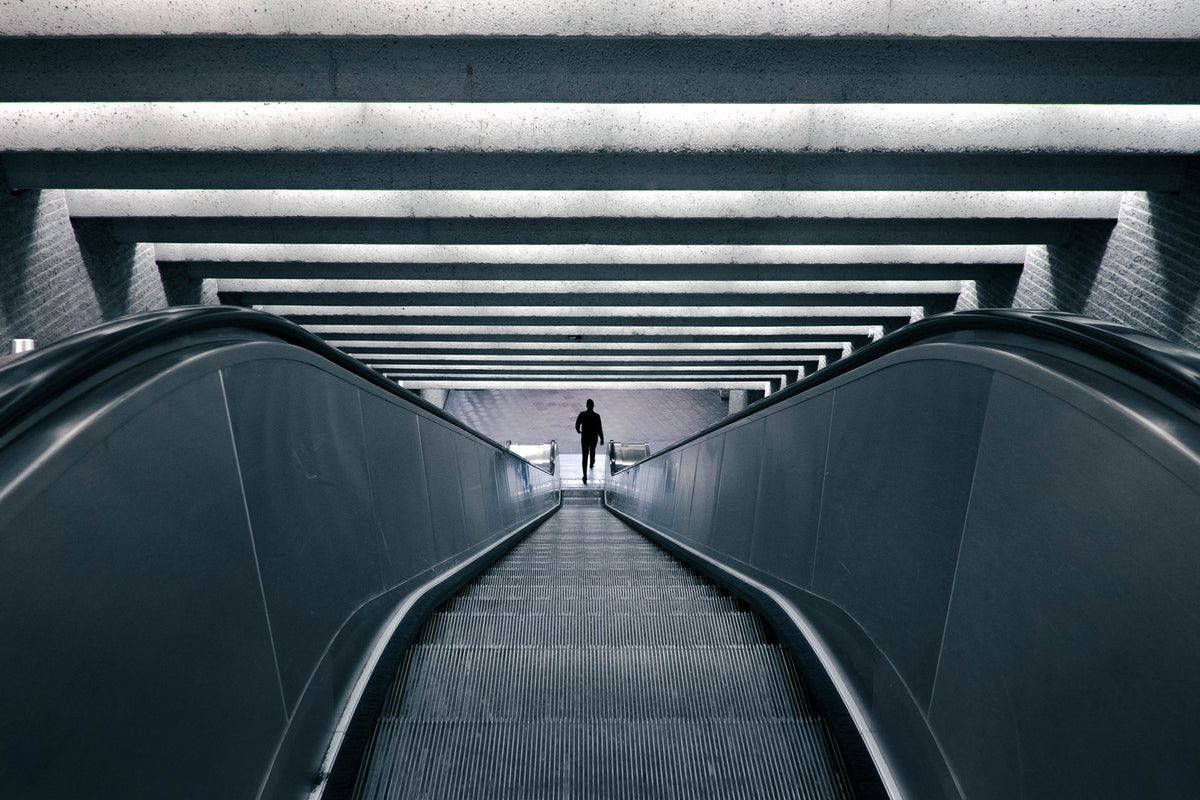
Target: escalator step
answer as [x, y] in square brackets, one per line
[606, 759]
[597, 683]
[588, 662]
[617, 629]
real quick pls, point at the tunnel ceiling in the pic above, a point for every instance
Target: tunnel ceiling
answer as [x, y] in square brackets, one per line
[536, 194]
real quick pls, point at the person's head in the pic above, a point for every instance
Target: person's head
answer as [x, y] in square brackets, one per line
[590, 404]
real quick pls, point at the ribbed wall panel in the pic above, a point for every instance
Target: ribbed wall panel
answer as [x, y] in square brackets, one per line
[589, 663]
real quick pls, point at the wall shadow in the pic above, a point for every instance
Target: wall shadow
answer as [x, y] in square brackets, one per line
[18, 215]
[110, 265]
[180, 289]
[1176, 217]
[1074, 267]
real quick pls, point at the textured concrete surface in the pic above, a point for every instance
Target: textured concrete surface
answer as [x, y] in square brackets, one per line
[596, 186]
[1145, 274]
[596, 230]
[660, 417]
[612, 204]
[250, 127]
[995, 18]
[693, 256]
[56, 280]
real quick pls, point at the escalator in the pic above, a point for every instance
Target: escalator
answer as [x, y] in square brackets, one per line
[587, 662]
[234, 562]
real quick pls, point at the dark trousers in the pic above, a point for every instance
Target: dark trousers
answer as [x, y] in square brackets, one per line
[589, 449]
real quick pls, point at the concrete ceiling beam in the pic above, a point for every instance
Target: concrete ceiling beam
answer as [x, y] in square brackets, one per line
[600, 69]
[759, 362]
[741, 171]
[593, 254]
[608, 231]
[591, 262]
[1106, 19]
[226, 271]
[403, 337]
[635, 292]
[684, 322]
[777, 378]
[600, 304]
[591, 383]
[561, 128]
[398, 206]
[758, 371]
[559, 354]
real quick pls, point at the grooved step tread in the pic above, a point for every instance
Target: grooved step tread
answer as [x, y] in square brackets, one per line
[588, 662]
[598, 683]
[720, 759]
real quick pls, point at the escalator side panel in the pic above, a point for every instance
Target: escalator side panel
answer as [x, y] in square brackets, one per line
[1003, 555]
[304, 469]
[739, 478]
[445, 486]
[192, 560]
[404, 516]
[898, 479]
[1074, 621]
[118, 655]
[791, 479]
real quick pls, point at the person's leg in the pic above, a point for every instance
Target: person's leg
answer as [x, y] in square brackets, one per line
[592, 453]
[583, 445]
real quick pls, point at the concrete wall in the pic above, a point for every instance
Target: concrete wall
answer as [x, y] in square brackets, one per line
[57, 279]
[1144, 272]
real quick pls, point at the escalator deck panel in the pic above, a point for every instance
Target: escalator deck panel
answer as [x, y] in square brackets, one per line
[588, 662]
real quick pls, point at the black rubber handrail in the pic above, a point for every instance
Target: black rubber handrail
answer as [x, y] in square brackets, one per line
[27, 383]
[30, 381]
[1171, 366]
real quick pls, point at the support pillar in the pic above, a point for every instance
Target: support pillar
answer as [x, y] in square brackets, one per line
[435, 396]
[737, 400]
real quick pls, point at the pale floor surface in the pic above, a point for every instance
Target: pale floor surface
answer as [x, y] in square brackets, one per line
[570, 468]
[660, 417]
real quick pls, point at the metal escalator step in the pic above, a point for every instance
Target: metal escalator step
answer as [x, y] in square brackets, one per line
[576, 606]
[588, 662]
[606, 759]
[619, 629]
[592, 684]
[633, 592]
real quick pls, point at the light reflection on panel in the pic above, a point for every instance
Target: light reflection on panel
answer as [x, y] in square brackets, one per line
[474, 506]
[445, 493]
[737, 489]
[704, 495]
[684, 485]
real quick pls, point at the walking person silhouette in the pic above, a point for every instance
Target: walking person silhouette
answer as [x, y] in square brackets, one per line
[588, 426]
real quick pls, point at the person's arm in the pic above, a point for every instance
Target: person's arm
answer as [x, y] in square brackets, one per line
[600, 428]
[578, 422]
